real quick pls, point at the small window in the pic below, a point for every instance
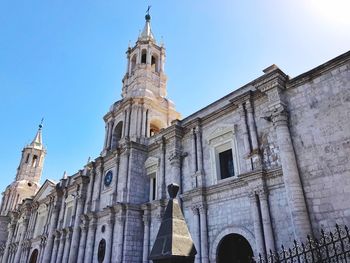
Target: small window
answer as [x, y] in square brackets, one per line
[144, 57]
[153, 187]
[27, 159]
[35, 161]
[101, 251]
[226, 164]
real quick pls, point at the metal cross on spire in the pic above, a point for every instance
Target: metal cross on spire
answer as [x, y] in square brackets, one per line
[148, 8]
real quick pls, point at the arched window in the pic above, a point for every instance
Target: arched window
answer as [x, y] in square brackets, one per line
[133, 62]
[153, 130]
[155, 127]
[144, 56]
[154, 63]
[101, 251]
[117, 134]
[34, 256]
[35, 161]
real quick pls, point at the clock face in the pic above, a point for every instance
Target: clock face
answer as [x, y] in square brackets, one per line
[108, 178]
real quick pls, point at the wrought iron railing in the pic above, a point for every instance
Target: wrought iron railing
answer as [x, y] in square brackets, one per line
[330, 247]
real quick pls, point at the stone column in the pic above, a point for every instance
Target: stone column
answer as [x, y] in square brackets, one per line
[76, 230]
[144, 122]
[199, 150]
[127, 122]
[82, 242]
[55, 248]
[51, 237]
[196, 234]
[11, 228]
[116, 177]
[108, 134]
[194, 152]
[146, 235]
[162, 168]
[61, 247]
[252, 126]
[90, 240]
[243, 125]
[19, 248]
[204, 234]
[67, 245]
[258, 231]
[175, 162]
[292, 182]
[266, 219]
[97, 188]
[119, 236]
[109, 237]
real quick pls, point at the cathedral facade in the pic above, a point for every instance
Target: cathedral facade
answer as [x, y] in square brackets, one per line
[262, 166]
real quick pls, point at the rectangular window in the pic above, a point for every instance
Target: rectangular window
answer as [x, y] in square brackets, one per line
[226, 164]
[153, 187]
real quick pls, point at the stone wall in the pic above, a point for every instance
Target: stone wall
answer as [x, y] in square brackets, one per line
[319, 120]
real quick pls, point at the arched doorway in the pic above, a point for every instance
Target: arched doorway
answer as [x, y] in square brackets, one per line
[234, 248]
[34, 256]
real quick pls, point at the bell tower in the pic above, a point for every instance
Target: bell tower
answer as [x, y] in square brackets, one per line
[28, 174]
[144, 108]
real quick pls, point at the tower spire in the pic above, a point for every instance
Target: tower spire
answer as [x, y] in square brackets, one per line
[146, 33]
[37, 141]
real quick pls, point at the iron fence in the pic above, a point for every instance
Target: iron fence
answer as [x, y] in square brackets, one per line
[333, 246]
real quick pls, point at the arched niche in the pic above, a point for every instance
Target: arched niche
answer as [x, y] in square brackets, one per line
[117, 134]
[155, 63]
[133, 62]
[144, 56]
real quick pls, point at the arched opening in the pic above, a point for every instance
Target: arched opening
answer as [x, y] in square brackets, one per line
[144, 56]
[234, 248]
[133, 63]
[154, 63]
[117, 134]
[101, 251]
[34, 256]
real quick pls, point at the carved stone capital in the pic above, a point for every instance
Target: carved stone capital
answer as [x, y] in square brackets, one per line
[202, 209]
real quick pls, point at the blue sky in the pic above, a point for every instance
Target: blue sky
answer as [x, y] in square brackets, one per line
[64, 61]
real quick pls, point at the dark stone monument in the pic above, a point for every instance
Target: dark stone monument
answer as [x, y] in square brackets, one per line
[173, 243]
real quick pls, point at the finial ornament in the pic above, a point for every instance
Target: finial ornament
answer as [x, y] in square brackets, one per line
[148, 16]
[41, 123]
[173, 190]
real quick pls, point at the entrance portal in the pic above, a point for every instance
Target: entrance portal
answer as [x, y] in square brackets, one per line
[34, 256]
[234, 248]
